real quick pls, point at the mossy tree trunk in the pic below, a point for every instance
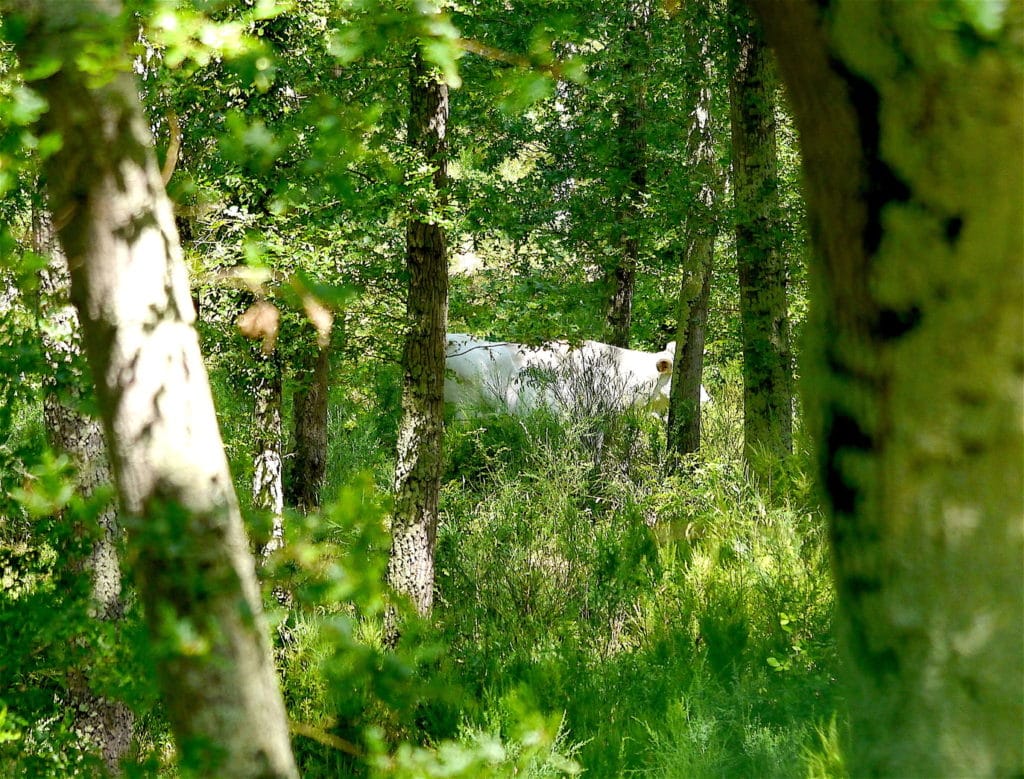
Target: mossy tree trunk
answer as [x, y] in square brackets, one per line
[911, 129]
[186, 543]
[698, 258]
[631, 173]
[684, 407]
[764, 320]
[421, 429]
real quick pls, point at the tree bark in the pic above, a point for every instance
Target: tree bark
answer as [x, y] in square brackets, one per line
[106, 724]
[421, 430]
[767, 362]
[698, 262]
[911, 129]
[268, 463]
[195, 574]
[632, 146]
[688, 366]
[309, 418]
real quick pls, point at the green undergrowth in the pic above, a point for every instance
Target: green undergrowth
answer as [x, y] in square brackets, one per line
[594, 612]
[682, 623]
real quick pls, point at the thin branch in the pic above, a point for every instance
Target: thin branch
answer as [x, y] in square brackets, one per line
[327, 739]
[495, 54]
[173, 148]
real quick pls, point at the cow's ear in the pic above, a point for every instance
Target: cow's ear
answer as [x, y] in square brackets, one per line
[664, 365]
[670, 347]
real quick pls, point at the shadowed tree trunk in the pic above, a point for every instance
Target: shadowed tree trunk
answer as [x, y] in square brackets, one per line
[104, 723]
[698, 259]
[185, 538]
[688, 367]
[421, 430]
[911, 129]
[631, 140]
[767, 362]
[309, 419]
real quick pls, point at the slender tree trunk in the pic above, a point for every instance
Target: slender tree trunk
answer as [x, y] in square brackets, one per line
[196, 576]
[421, 430]
[698, 261]
[309, 418]
[767, 362]
[632, 147]
[912, 146]
[688, 367]
[104, 723]
[268, 470]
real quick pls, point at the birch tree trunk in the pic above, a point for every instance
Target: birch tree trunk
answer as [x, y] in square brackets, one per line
[104, 723]
[129, 284]
[911, 129]
[632, 169]
[268, 464]
[767, 361]
[421, 430]
[698, 259]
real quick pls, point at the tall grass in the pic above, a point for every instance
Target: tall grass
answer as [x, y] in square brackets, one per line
[681, 623]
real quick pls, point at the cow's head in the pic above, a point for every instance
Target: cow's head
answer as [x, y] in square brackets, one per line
[665, 359]
[663, 363]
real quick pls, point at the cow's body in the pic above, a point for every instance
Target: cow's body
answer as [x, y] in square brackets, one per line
[590, 378]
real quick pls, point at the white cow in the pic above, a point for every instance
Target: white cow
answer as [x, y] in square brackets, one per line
[587, 379]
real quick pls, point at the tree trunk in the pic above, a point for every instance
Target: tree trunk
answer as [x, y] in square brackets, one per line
[129, 284]
[268, 472]
[767, 363]
[632, 147]
[421, 430]
[309, 418]
[698, 261]
[104, 723]
[911, 129]
[688, 367]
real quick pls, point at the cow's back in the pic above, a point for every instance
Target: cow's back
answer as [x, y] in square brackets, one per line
[477, 372]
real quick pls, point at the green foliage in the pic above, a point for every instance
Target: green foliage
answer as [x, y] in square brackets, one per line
[51, 642]
[673, 627]
[360, 709]
[49, 635]
[536, 749]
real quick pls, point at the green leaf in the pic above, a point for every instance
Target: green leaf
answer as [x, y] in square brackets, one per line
[26, 106]
[43, 67]
[985, 16]
[7, 733]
